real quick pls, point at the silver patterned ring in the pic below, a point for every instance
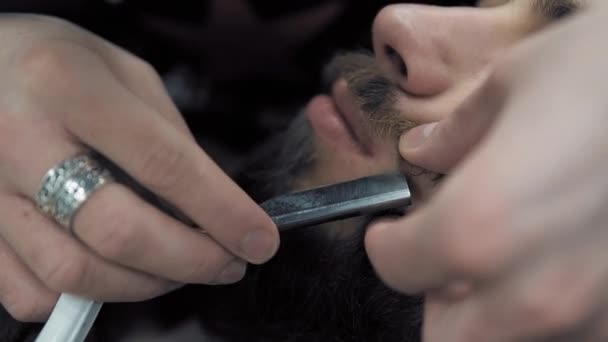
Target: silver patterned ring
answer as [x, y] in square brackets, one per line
[68, 185]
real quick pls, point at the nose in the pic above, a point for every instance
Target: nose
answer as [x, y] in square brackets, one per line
[426, 49]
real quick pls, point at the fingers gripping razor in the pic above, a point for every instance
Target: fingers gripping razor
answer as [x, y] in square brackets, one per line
[73, 316]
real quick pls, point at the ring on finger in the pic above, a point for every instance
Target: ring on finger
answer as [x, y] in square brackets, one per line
[68, 185]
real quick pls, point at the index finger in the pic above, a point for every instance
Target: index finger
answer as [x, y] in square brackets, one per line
[440, 146]
[163, 159]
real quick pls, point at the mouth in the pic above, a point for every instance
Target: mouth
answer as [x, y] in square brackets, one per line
[337, 121]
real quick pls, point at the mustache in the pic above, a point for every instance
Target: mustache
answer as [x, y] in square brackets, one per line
[375, 94]
[373, 90]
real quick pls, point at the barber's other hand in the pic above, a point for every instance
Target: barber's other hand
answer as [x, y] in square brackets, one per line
[513, 246]
[64, 91]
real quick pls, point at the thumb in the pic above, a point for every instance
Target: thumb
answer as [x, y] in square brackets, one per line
[439, 146]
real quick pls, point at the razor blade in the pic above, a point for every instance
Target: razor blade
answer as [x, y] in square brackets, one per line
[364, 196]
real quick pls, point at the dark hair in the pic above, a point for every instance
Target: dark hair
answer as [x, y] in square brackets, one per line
[316, 288]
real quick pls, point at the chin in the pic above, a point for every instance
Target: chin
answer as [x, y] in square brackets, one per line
[320, 286]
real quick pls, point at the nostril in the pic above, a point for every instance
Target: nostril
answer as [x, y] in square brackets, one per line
[396, 60]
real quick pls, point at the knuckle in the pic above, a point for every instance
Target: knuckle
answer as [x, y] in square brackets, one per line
[163, 168]
[143, 67]
[53, 67]
[50, 23]
[43, 65]
[65, 273]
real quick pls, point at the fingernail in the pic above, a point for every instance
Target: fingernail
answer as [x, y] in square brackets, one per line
[232, 273]
[258, 246]
[416, 136]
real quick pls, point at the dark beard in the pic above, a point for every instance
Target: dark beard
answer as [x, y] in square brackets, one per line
[274, 166]
[316, 288]
[373, 91]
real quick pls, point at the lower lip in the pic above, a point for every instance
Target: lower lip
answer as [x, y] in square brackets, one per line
[330, 125]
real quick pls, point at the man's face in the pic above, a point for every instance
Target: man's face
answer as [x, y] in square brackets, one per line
[427, 60]
[434, 58]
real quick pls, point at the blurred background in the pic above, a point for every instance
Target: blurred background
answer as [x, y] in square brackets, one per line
[238, 70]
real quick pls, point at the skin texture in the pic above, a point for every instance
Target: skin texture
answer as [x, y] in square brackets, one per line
[508, 249]
[496, 257]
[512, 245]
[64, 91]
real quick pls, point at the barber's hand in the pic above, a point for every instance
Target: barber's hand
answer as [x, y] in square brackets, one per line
[514, 245]
[64, 91]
